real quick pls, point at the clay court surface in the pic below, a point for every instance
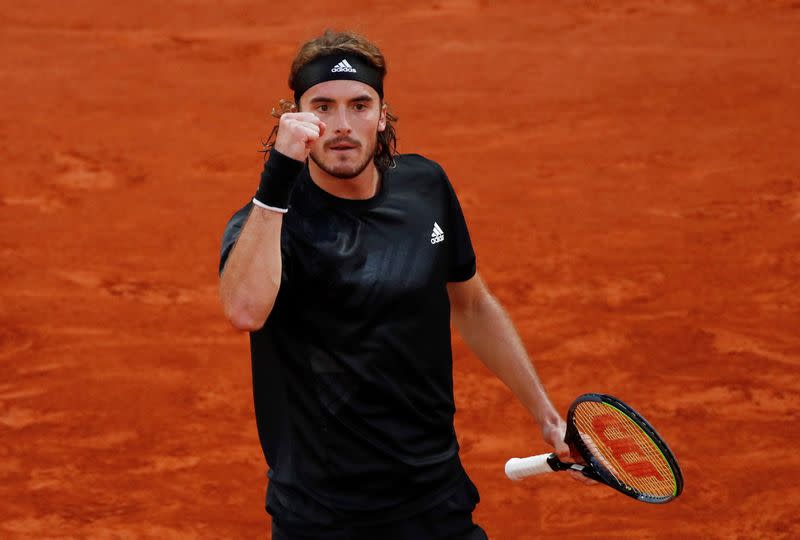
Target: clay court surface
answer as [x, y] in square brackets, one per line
[631, 177]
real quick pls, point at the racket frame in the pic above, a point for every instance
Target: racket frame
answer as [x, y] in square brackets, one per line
[595, 468]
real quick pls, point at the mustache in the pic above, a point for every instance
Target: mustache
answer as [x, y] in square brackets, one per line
[342, 140]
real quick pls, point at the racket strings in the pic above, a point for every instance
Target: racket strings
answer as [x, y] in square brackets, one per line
[624, 449]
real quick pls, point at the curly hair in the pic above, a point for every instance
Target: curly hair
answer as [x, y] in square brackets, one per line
[331, 42]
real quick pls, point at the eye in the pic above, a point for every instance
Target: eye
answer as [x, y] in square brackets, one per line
[322, 108]
[360, 106]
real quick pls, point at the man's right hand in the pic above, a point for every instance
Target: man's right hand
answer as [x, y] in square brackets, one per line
[297, 132]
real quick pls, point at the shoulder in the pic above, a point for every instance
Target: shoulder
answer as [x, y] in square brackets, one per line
[241, 214]
[415, 163]
[420, 173]
[237, 220]
[231, 234]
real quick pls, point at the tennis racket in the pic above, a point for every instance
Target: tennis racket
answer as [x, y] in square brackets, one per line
[619, 448]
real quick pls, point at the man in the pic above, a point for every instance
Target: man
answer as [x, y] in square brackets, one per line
[345, 269]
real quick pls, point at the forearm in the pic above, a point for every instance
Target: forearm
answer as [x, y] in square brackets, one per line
[489, 332]
[252, 276]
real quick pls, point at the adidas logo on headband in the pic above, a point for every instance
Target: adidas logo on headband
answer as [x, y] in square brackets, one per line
[344, 65]
[352, 67]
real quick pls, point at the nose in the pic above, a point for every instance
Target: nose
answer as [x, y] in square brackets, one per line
[342, 126]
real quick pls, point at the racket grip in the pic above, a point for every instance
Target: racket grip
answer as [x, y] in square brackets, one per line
[519, 468]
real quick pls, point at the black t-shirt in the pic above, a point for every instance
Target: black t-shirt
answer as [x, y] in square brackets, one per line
[352, 371]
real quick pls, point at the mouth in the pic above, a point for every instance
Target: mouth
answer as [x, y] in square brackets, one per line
[343, 145]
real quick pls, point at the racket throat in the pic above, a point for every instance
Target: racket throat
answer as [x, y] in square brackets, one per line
[588, 472]
[558, 465]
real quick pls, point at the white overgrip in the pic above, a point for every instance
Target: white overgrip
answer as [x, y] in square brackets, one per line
[519, 468]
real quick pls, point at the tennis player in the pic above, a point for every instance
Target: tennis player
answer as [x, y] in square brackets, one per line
[346, 268]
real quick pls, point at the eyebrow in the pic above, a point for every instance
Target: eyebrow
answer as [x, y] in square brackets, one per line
[323, 99]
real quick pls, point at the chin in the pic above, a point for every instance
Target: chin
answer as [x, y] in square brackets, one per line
[341, 173]
[342, 170]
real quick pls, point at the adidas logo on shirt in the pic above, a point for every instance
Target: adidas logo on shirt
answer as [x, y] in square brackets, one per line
[437, 235]
[344, 65]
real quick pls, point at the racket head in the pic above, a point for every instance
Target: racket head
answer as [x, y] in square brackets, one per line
[623, 449]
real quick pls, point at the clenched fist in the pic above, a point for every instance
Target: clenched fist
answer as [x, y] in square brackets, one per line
[297, 132]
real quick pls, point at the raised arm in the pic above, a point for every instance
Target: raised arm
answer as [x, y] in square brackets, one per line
[252, 274]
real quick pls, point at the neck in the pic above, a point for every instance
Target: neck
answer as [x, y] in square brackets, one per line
[363, 186]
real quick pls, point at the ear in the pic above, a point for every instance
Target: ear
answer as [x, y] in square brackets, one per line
[382, 119]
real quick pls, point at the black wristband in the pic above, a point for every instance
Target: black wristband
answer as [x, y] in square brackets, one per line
[277, 180]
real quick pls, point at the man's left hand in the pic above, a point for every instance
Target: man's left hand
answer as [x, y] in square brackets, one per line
[553, 433]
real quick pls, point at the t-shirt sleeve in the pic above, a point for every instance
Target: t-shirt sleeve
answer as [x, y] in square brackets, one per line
[462, 256]
[231, 234]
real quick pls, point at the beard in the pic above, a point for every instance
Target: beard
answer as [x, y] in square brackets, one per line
[344, 171]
